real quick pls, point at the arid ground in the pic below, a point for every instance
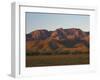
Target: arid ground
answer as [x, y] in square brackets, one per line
[53, 60]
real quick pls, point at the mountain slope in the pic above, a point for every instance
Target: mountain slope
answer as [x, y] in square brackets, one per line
[60, 41]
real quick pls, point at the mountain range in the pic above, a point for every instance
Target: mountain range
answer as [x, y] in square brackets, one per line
[59, 41]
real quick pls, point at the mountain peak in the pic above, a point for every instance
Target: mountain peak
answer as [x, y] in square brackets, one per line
[59, 34]
[40, 34]
[59, 29]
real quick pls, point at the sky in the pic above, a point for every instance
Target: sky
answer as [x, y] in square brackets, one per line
[37, 21]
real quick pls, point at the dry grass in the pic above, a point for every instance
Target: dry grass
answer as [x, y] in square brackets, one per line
[53, 60]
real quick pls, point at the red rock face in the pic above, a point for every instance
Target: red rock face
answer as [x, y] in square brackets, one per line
[59, 34]
[40, 35]
[57, 40]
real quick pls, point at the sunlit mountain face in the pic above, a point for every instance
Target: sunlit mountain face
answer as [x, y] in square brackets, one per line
[59, 41]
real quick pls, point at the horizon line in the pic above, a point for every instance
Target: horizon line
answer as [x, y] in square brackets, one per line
[56, 29]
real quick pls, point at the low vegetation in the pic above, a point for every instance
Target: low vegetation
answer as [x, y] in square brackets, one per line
[55, 53]
[53, 60]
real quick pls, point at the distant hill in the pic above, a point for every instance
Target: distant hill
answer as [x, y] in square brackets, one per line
[59, 41]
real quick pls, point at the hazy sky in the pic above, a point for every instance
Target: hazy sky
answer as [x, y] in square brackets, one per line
[35, 21]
